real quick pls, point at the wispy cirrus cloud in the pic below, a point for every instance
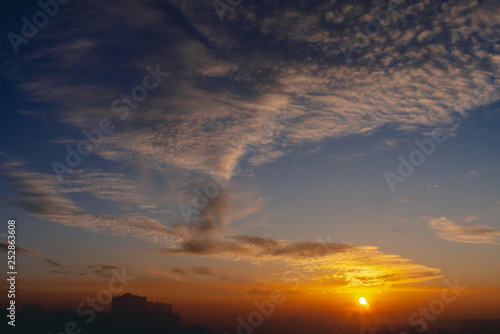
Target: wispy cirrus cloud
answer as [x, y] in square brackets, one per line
[204, 271]
[186, 273]
[477, 173]
[52, 263]
[61, 272]
[470, 233]
[195, 270]
[42, 196]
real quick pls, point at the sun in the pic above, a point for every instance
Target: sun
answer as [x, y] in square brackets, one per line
[363, 301]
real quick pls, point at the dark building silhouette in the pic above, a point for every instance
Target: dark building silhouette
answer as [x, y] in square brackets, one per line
[135, 315]
[134, 311]
[155, 307]
[128, 304]
[131, 304]
[32, 309]
[129, 314]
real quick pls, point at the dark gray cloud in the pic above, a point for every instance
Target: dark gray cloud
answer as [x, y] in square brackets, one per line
[102, 269]
[61, 272]
[19, 250]
[52, 263]
[181, 271]
[257, 247]
[195, 270]
[204, 271]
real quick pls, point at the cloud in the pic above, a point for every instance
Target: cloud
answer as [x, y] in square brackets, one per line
[472, 233]
[41, 196]
[477, 173]
[399, 220]
[411, 87]
[138, 192]
[344, 266]
[349, 156]
[470, 219]
[181, 271]
[195, 270]
[184, 274]
[102, 269]
[389, 142]
[216, 214]
[174, 275]
[60, 272]
[430, 61]
[52, 263]
[19, 250]
[400, 231]
[204, 271]
[27, 112]
[473, 173]
[341, 267]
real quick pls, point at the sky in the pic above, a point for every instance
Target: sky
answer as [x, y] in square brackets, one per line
[219, 150]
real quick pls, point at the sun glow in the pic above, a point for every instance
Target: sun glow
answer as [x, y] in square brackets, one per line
[363, 301]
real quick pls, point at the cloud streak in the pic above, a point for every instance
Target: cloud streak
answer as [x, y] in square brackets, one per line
[19, 250]
[41, 196]
[471, 233]
[52, 263]
[338, 267]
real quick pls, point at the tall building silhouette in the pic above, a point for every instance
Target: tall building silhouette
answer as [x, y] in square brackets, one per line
[135, 311]
[128, 304]
[132, 304]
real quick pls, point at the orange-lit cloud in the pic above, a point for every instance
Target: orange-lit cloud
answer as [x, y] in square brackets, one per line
[472, 233]
[334, 267]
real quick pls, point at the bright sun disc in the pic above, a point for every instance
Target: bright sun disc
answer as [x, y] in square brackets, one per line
[362, 301]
